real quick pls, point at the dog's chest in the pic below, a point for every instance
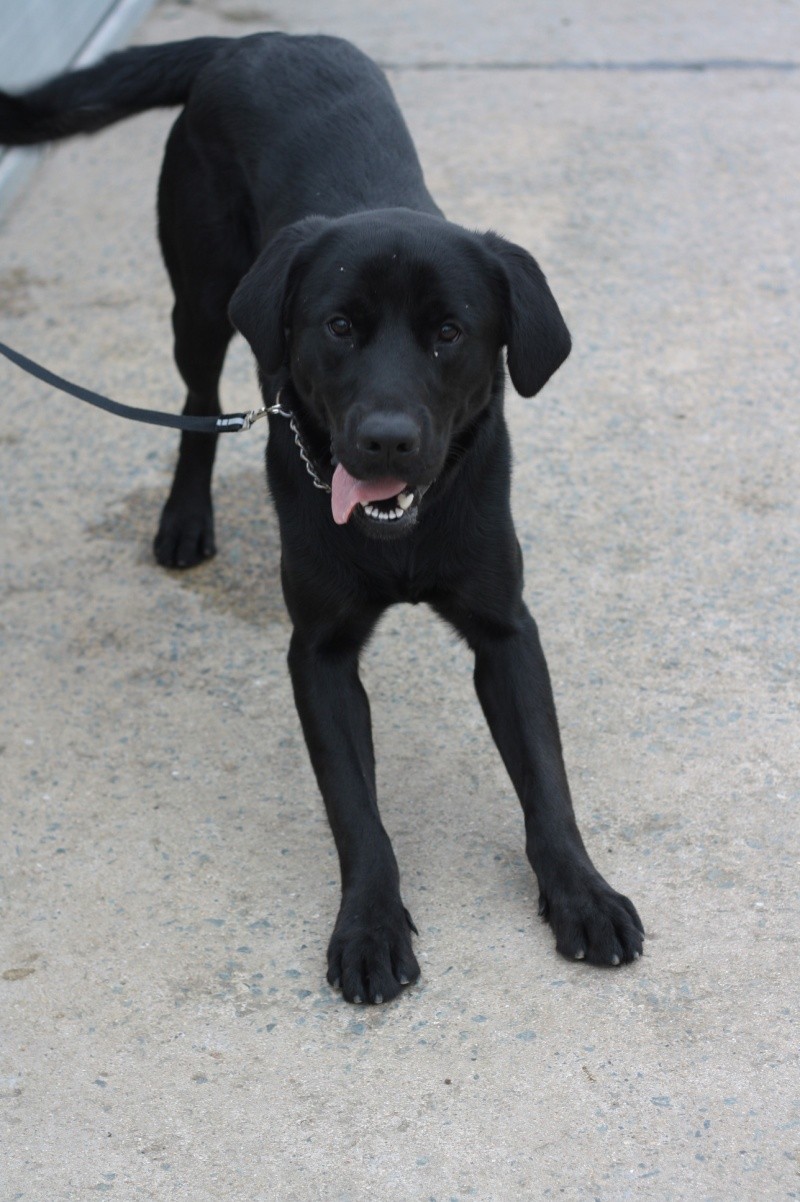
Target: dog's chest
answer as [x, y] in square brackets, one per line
[400, 573]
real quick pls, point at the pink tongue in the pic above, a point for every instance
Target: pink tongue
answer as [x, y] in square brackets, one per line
[347, 492]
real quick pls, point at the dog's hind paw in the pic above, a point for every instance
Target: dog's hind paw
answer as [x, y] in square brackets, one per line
[370, 957]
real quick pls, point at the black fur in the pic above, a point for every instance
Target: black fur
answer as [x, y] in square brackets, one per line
[292, 198]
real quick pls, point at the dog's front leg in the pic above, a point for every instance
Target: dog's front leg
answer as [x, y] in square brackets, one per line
[370, 953]
[590, 919]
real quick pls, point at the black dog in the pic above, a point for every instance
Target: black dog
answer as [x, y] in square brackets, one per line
[293, 205]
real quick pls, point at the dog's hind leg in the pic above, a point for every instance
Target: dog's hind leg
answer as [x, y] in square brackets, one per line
[206, 252]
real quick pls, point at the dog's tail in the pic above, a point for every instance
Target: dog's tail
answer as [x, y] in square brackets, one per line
[83, 101]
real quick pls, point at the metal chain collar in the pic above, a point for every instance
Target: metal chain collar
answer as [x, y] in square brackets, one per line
[279, 411]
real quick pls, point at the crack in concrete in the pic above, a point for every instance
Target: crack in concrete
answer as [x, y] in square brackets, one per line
[653, 65]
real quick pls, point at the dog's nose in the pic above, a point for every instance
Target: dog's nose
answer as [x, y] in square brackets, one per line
[388, 440]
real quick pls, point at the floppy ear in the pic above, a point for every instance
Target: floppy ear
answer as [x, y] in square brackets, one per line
[536, 336]
[259, 306]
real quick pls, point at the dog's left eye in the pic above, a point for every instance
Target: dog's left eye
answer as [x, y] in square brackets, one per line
[448, 332]
[340, 326]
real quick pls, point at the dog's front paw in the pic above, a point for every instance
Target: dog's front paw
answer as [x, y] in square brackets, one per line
[370, 957]
[591, 921]
[185, 535]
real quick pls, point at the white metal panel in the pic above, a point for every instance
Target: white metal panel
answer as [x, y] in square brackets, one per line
[41, 37]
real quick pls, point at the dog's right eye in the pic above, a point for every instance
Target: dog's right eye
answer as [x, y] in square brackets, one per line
[340, 326]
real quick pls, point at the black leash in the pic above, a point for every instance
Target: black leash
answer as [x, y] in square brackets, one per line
[228, 423]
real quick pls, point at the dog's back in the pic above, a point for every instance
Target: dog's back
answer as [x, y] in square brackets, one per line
[313, 122]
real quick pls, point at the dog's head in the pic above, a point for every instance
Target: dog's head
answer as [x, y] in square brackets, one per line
[390, 324]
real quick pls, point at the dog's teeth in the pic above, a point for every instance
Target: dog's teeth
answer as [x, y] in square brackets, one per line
[405, 499]
[387, 515]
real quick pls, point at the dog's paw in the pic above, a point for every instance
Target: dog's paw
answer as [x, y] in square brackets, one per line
[185, 535]
[591, 921]
[370, 957]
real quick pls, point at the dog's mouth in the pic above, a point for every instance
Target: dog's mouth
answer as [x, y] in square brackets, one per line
[387, 505]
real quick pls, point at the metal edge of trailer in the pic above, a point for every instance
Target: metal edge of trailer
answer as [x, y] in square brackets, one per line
[17, 164]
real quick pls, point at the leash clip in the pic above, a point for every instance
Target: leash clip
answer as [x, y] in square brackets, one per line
[253, 415]
[277, 408]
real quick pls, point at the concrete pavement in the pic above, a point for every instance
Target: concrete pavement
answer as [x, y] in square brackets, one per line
[168, 879]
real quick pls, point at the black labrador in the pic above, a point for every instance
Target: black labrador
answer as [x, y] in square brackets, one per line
[292, 206]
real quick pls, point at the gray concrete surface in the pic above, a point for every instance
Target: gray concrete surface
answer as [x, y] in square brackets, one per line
[169, 882]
